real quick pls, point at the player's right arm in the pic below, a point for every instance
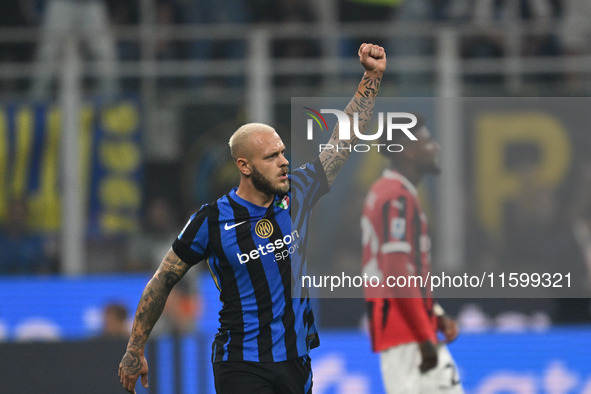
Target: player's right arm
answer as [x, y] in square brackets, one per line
[373, 59]
[134, 364]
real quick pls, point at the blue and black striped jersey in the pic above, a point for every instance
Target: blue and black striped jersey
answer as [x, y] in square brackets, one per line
[254, 255]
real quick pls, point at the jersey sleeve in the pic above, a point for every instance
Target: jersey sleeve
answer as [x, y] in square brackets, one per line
[309, 183]
[191, 245]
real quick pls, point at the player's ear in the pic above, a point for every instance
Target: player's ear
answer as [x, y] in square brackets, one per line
[243, 166]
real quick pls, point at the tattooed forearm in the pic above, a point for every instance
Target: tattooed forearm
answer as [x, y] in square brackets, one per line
[154, 297]
[369, 86]
[360, 111]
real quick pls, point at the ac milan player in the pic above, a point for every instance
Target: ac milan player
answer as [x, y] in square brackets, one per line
[404, 321]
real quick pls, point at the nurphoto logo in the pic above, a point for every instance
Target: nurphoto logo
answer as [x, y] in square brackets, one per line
[389, 122]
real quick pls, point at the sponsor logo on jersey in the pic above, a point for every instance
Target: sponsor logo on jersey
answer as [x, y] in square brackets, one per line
[281, 248]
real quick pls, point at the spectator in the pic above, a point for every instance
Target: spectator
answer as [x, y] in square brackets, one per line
[576, 33]
[212, 13]
[148, 246]
[167, 15]
[412, 45]
[180, 313]
[125, 13]
[491, 43]
[145, 254]
[572, 251]
[15, 14]
[531, 220]
[115, 322]
[352, 11]
[576, 29]
[22, 251]
[71, 18]
[293, 11]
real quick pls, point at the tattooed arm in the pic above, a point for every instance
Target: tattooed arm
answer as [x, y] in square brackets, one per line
[373, 59]
[149, 309]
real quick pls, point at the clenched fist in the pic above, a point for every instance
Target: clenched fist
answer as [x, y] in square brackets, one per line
[373, 58]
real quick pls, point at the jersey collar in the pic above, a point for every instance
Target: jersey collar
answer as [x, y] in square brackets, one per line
[391, 174]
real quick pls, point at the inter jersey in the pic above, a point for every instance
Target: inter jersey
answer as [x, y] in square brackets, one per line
[254, 254]
[396, 243]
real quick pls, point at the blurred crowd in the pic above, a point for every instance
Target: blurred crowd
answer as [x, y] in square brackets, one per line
[543, 226]
[566, 32]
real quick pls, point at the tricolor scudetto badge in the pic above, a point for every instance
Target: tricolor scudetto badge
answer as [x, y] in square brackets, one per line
[284, 203]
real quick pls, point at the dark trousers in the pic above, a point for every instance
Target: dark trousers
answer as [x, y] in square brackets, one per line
[247, 377]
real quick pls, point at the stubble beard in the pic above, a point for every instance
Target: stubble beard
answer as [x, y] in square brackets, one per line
[264, 185]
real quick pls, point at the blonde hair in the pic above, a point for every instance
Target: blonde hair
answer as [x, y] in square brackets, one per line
[238, 139]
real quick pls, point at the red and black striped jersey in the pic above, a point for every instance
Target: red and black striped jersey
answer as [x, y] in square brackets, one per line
[396, 244]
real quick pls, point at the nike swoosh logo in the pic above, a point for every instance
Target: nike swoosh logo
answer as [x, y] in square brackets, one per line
[226, 227]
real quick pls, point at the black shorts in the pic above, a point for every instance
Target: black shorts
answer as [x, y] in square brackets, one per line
[245, 377]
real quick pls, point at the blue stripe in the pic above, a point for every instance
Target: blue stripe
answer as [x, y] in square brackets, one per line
[245, 289]
[298, 309]
[275, 281]
[300, 218]
[202, 234]
[225, 358]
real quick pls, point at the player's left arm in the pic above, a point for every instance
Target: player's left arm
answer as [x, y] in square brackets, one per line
[445, 324]
[373, 59]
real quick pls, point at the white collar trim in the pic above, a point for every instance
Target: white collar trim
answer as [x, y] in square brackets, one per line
[391, 174]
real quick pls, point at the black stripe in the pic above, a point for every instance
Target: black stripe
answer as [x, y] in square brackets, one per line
[402, 207]
[299, 180]
[195, 225]
[217, 269]
[299, 222]
[182, 246]
[370, 306]
[294, 206]
[298, 205]
[320, 174]
[217, 349]
[307, 178]
[416, 219]
[416, 240]
[385, 312]
[314, 175]
[288, 318]
[370, 314]
[309, 317]
[260, 285]
[385, 221]
[231, 313]
[299, 225]
[312, 340]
